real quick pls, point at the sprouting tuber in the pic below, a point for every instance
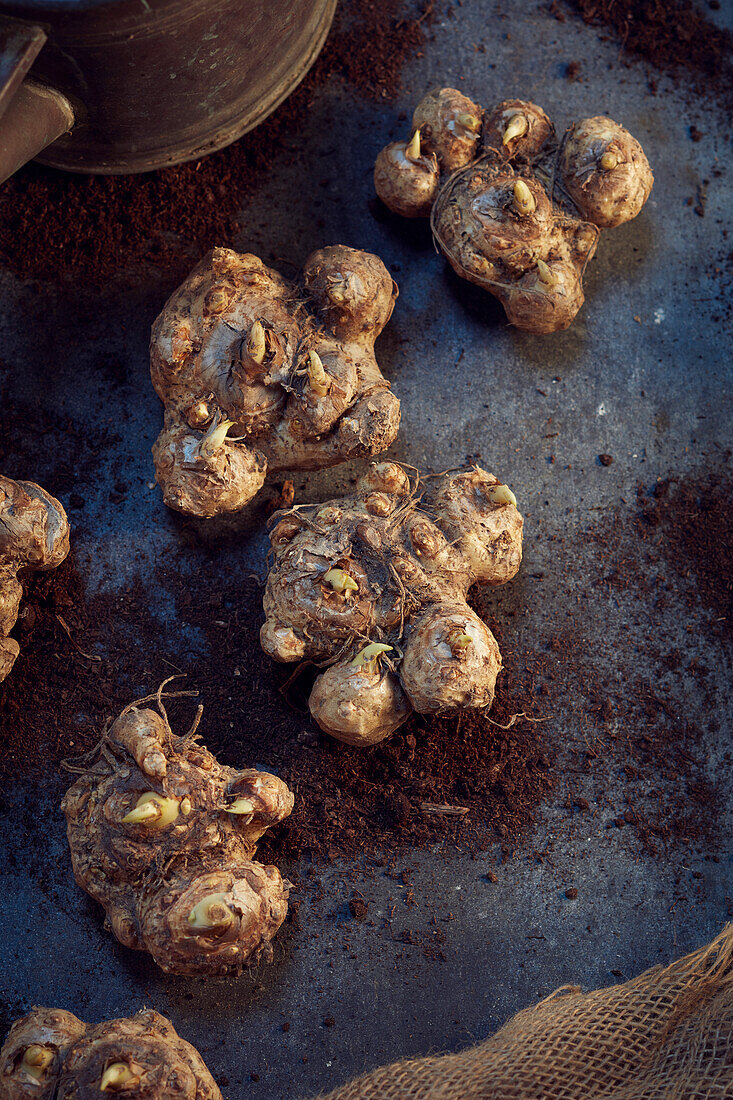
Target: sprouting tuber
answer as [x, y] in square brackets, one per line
[374, 586]
[259, 375]
[34, 534]
[51, 1055]
[513, 208]
[163, 836]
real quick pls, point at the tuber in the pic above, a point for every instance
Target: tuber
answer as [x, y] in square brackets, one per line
[34, 534]
[512, 208]
[163, 836]
[257, 375]
[375, 586]
[51, 1055]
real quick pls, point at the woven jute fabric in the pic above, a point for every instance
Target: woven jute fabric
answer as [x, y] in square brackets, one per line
[665, 1034]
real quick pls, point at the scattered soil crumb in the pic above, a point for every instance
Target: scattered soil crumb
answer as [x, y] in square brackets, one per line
[674, 35]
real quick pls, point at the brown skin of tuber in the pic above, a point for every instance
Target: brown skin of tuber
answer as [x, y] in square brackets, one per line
[155, 1062]
[151, 872]
[450, 125]
[605, 197]
[408, 187]
[231, 360]
[55, 1032]
[530, 254]
[34, 534]
[359, 706]
[413, 563]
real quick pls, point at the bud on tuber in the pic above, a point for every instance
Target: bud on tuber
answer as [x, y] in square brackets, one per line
[34, 534]
[208, 908]
[516, 128]
[412, 152]
[36, 1060]
[340, 581]
[50, 1053]
[117, 1075]
[416, 563]
[496, 229]
[238, 368]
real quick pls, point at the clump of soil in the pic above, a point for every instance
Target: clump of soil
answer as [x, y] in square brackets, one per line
[464, 779]
[674, 35]
[58, 226]
[645, 705]
[703, 552]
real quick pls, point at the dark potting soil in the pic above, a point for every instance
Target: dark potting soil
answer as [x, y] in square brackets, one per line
[58, 226]
[676, 36]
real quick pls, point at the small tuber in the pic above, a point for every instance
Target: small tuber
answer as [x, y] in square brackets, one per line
[34, 534]
[258, 375]
[512, 208]
[51, 1055]
[163, 836]
[376, 583]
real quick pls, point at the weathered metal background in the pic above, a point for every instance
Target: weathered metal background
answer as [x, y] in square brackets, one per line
[644, 374]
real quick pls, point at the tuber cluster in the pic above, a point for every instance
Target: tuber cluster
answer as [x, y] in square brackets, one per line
[374, 585]
[163, 836]
[513, 208]
[51, 1055]
[34, 534]
[257, 375]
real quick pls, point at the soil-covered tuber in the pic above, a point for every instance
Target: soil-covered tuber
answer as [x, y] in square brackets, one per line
[51, 1055]
[374, 585]
[163, 836]
[34, 534]
[513, 208]
[259, 375]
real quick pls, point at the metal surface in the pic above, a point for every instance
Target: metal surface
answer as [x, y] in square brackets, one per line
[19, 46]
[644, 373]
[159, 83]
[36, 117]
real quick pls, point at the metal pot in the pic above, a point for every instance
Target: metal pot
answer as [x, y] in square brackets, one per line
[131, 85]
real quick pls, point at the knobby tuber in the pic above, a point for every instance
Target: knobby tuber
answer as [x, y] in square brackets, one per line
[163, 836]
[513, 208]
[51, 1055]
[375, 585]
[34, 534]
[257, 375]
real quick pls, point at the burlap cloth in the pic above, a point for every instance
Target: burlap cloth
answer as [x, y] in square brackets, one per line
[667, 1033]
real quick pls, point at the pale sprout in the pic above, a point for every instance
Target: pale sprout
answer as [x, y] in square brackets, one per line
[458, 639]
[501, 494]
[319, 380]
[256, 345]
[412, 152]
[337, 291]
[370, 653]
[152, 808]
[517, 127]
[36, 1060]
[211, 912]
[524, 200]
[214, 438]
[240, 806]
[340, 581]
[469, 122]
[547, 275]
[116, 1075]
